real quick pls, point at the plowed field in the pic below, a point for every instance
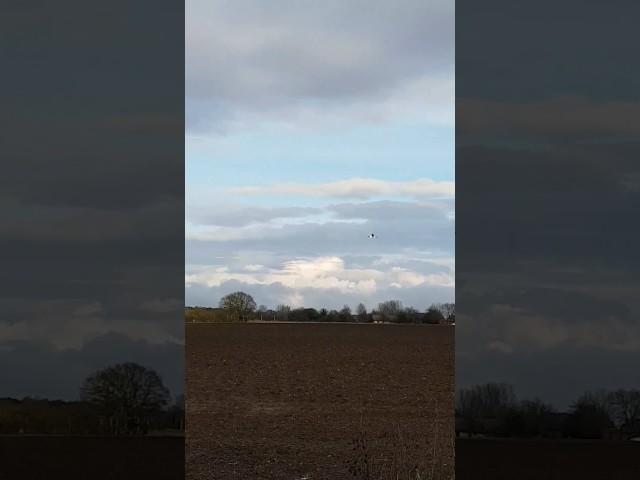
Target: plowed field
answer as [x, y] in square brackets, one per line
[309, 401]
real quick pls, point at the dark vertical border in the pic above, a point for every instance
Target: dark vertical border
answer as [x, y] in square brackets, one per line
[548, 193]
[92, 243]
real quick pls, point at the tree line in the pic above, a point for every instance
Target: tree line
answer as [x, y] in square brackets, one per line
[123, 399]
[493, 409]
[241, 307]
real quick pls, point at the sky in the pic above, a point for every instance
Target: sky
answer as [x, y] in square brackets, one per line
[547, 197]
[309, 126]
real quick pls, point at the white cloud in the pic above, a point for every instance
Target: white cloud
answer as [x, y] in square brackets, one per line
[362, 188]
[234, 216]
[321, 273]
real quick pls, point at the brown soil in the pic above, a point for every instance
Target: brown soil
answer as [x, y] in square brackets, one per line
[287, 401]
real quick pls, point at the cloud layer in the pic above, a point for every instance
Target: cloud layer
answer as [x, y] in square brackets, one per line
[247, 64]
[304, 255]
[361, 188]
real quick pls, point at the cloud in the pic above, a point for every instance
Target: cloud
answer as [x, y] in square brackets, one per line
[387, 210]
[361, 188]
[72, 323]
[319, 273]
[560, 116]
[243, 60]
[234, 216]
[33, 360]
[163, 305]
[305, 278]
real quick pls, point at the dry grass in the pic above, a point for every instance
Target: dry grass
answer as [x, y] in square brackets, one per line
[397, 458]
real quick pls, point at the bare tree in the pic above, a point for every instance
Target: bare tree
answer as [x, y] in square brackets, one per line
[624, 406]
[535, 416]
[448, 310]
[590, 415]
[434, 315]
[390, 309]
[489, 400]
[361, 311]
[128, 394]
[239, 304]
[411, 315]
[345, 314]
[283, 312]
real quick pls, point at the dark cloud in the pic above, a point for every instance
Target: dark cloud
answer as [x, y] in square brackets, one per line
[515, 52]
[394, 223]
[265, 59]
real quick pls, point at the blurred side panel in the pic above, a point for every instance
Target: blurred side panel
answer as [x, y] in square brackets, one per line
[548, 193]
[92, 243]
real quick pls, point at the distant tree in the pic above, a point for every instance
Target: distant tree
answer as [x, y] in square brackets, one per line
[402, 316]
[451, 316]
[590, 416]
[433, 315]
[535, 415]
[345, 314]
[481, 402]
[262, 308]
[389, 310]
[333, 316]
[297, 315]
[283, 312]
[624, 407]
[361, 311]
[303, 315]
[175, 414]
[511, 424]
[239, 305]
[323, 312]
[411, 315]
[128, 394]
[448, 310]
